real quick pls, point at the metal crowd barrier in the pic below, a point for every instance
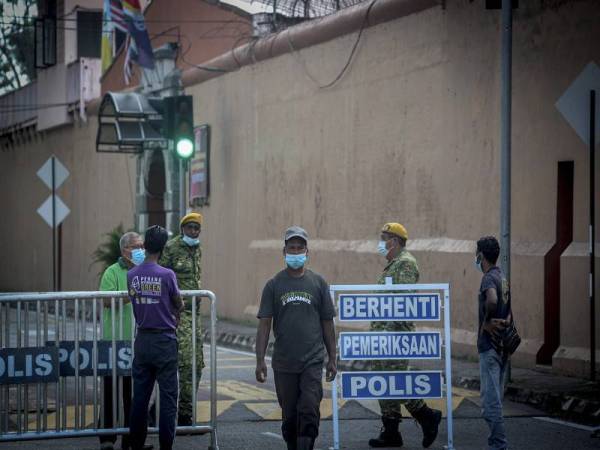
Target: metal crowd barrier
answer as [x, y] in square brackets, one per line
[51, 346]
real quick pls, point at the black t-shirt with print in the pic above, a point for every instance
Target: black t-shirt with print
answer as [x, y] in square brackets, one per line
[297, 306]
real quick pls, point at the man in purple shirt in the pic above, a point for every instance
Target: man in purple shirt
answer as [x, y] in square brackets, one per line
[156, 306]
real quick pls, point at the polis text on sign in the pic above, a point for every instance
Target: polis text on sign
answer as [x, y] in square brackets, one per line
[391, 385]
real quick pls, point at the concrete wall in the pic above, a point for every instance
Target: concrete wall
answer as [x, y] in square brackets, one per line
[99, 193]
[410, 134]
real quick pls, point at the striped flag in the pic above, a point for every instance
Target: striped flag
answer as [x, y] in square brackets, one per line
[117, 15]
[107, 37]
[142, 50]
[112, 18]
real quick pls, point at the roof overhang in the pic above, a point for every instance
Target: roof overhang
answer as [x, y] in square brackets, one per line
[128, 122]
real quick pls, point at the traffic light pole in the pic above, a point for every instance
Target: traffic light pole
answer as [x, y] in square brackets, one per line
[182, 187]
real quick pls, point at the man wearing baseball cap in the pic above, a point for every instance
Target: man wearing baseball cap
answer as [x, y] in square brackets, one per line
[182, 254]
[402, 269]
[298, 304]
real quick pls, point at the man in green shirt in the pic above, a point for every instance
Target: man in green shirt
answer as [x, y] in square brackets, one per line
[182, 255]
[114, 278]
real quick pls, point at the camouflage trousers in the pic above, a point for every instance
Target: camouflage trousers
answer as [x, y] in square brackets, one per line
[187, 392]
[392, 408]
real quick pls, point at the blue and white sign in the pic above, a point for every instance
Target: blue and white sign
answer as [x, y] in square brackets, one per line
[391, 385]
[391, 345]
[395, 307]
[66, 358]
[28, 365]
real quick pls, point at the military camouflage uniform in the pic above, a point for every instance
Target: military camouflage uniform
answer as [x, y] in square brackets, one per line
[402, 269]
[185, 262]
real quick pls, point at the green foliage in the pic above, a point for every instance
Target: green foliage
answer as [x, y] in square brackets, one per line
[17, 45]
[108, 252]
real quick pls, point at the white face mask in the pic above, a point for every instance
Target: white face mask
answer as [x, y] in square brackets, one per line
[381, 248]
[477, 264]
[191, 241]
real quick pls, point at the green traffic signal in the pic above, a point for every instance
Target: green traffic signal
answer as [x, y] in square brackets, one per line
[178, 119]
[184, 148]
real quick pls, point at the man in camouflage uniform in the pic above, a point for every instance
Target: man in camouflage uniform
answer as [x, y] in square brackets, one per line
[402, 269]
[182, 254]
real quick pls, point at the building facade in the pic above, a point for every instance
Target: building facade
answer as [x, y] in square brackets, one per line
[409, 132]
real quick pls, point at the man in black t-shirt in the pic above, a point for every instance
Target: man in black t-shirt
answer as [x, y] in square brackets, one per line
[494, 316]
[298, 303]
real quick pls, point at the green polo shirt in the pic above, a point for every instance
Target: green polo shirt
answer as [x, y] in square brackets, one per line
[114, 278]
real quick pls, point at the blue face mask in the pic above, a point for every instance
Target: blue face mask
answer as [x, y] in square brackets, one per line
[381, 248]
[191, 241]
[137, 256]
[477, 264]
[295, 261]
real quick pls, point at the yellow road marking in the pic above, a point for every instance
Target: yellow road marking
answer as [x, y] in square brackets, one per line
[267, 411]
[203, 409]
[51, 421]
[267, 407]
[240, 390]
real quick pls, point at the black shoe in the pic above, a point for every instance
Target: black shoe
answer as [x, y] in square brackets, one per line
[429, 419]
[389, 436]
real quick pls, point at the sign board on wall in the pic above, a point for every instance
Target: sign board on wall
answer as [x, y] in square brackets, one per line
[199, 181]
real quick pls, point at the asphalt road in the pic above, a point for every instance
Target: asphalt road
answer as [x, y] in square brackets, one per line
[249, 419]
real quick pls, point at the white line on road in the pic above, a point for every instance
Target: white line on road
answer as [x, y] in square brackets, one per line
[273, 435]
[566, 424]
[236, 352]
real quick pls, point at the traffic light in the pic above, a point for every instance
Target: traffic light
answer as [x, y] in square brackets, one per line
[178, 121]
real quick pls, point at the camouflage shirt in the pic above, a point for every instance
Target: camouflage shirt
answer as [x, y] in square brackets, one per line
[184, 261]
[403, 269]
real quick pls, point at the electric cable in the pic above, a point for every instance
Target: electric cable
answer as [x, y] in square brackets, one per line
[348, 62]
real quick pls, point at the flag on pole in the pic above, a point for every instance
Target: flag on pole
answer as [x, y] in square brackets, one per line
[117, 15]
[141, 52]
[113, 19]
[107, 37]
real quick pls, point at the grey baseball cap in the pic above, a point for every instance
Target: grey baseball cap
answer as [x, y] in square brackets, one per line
[295, 231]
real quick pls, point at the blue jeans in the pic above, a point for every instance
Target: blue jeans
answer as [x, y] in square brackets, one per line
[492, 369]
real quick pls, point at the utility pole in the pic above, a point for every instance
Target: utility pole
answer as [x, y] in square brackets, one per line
[505, 137]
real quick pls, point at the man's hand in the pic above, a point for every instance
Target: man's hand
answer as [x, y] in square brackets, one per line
[261, 371]
[495, 326]
[330, 370]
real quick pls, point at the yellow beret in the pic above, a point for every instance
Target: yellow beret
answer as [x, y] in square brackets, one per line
[191, 217]
[395, 228]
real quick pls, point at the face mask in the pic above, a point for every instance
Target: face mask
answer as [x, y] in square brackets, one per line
[191, 241]
[477, 264]
[381, 248]
[295, 261]
[137, 256]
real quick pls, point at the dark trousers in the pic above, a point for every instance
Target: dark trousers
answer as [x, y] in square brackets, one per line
[108, 409]
[155, 360]
[299, 395]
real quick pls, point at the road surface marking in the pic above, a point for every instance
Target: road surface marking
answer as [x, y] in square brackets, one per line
[566, 424]
[273, 435]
